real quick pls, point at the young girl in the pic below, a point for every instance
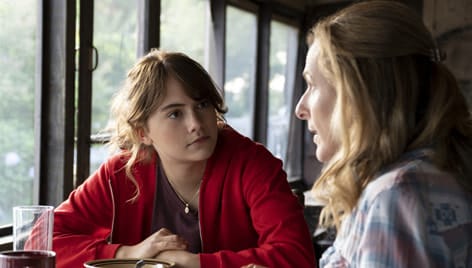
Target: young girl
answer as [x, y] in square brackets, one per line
[185, 187]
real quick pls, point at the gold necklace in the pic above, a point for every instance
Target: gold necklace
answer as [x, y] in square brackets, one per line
[187, 204]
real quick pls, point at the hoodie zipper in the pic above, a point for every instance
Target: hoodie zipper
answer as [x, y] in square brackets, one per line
[110, 238]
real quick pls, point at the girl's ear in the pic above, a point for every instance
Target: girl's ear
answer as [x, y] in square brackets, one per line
[144, 137]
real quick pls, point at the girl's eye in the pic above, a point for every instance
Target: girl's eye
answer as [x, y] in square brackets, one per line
[173, 115]
[204, 104]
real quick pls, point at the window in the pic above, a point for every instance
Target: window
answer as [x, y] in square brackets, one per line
[240, 69]
[115, 38]
[18, 20]
[283, 57]
[184, 27]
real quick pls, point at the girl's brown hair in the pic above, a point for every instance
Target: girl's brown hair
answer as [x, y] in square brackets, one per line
[143, 92]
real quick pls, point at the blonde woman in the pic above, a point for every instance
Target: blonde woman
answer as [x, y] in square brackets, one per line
[395, 135]
[184, 187]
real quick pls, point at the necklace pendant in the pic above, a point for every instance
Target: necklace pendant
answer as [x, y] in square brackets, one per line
[187, 210]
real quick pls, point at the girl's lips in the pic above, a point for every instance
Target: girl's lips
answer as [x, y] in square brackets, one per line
[200, 140]
[316, 139]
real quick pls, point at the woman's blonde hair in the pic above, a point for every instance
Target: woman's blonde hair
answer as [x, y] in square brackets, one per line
[393, 96]
[143, 92]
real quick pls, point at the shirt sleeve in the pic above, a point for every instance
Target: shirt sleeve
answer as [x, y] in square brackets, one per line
[82, 223]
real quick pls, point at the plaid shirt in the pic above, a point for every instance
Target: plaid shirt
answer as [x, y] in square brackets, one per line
[412, 215]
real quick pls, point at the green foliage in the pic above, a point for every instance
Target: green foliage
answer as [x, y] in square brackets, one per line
[278, 58]
[183, 27]
[241, 38]
[17, 68]
[115, 37]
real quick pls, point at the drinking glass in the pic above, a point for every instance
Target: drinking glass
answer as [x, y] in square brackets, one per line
[27, 258]
[33, 227]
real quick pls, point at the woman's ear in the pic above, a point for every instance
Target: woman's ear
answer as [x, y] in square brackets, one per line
[143, 136]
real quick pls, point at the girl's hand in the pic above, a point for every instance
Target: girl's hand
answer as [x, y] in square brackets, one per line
[153, 245]
[253, 266]
[181, 258]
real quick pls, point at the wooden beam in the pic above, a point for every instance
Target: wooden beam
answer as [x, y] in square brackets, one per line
[149, 23]
[262, 74]
[54, 102]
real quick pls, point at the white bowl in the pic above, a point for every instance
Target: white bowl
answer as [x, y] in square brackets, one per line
[128, 263]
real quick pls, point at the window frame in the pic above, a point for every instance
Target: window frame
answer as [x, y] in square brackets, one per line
[54, 101]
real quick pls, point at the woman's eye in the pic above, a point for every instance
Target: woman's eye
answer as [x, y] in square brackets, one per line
[312, 87]
[309, 87]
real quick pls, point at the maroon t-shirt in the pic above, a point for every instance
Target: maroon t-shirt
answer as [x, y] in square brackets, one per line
[169, 213]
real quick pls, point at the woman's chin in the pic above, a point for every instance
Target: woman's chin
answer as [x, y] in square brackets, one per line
[320, 157]
[323, 156]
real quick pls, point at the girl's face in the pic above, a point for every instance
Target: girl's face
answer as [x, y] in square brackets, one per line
[181, 129]
[316, 107]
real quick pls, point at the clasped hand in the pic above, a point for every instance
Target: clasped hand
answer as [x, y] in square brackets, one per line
[163, 245]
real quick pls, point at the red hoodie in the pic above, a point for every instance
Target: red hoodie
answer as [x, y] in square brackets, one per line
[247, 211]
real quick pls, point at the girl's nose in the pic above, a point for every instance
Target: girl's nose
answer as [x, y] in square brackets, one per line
[194, 121]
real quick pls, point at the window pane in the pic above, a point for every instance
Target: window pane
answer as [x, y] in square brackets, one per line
[184, 27]
[18, 20]
[283, 51]
[240, 69]
[115, 37]
[98, 154]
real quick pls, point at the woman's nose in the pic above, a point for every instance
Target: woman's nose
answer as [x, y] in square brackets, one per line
[300, 110]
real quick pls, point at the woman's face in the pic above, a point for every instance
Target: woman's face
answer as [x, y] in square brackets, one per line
[316, 107]
[181, 129]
